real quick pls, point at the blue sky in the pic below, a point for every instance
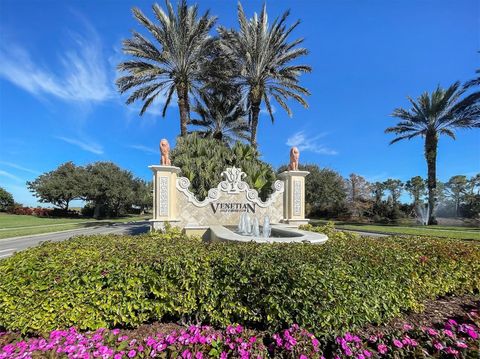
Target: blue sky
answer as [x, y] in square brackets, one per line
[58, 101]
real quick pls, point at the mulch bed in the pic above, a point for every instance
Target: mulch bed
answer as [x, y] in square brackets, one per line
[436, 312]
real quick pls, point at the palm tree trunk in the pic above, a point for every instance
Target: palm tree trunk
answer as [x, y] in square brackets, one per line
[183, 106]
[431, 143]
[254, 124]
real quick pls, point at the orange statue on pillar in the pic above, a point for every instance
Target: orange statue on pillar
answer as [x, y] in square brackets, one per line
[165, 153]
[294, 156]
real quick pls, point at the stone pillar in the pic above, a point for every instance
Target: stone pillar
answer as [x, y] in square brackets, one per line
[294, 197]
[164, 196]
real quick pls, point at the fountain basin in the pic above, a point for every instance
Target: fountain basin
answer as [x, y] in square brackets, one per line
[280, 234]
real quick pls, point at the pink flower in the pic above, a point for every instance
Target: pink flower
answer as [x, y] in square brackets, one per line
[448, 333]
[348, 337]
[117, 356]
[131, 353]
[186, 354]
[382, 348]
[115, 331]
[472, 333]
[452, 322]
[303, 357]
[451, 351]
[432, 332]
[360, 356]
[198, 355]
[438, 346]
[462, 345]
[407, 327]
[398, 343]
[367, 353]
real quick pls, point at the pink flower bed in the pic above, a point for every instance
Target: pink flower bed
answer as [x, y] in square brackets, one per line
[197, 342]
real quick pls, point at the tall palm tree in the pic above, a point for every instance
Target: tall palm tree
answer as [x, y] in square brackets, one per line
[172, 63]
[432, 115]
[222, 115]
[263, 62]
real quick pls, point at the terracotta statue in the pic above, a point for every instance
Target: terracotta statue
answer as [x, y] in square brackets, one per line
[165, 153]
[294, 156]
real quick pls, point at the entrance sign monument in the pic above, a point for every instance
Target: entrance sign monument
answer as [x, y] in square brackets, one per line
[228, 203]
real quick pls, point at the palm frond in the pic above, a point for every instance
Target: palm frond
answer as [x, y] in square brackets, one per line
[437, 113]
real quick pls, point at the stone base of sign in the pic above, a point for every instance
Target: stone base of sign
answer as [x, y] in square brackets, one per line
[158, 225]
[295, 223]
[197, 231]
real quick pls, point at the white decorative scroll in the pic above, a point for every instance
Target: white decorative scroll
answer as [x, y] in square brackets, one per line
[163, 196]
[233, 184]
[297, 197]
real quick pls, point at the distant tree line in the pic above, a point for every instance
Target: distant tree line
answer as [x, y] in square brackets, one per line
[328, 194]
[108, 190]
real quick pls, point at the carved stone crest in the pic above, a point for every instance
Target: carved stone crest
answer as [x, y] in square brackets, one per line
[233, 177]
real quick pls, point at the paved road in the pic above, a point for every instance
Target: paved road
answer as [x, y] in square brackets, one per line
[10, 245]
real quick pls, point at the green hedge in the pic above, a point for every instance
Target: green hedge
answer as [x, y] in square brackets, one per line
[110, 281]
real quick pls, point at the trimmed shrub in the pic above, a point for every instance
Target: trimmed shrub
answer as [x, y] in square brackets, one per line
[108, 281]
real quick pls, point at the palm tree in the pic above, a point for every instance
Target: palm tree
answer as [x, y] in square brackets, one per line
[432, 115]
[222, 115]
[175, 66]
[473, 82]
[263, 56]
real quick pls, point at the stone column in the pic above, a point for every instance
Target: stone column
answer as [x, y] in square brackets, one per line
[294, 197]
[164, 196]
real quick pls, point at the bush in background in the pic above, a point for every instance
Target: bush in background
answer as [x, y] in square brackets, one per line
[202, 160]
[6, 200]
[108, 281]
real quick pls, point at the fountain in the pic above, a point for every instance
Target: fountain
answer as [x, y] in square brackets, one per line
[266, 230]
[423, 213]
[251, 227]
[248, 229]
[255, 227]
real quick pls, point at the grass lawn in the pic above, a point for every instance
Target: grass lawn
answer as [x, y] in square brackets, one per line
[12, 225]
[432, 231]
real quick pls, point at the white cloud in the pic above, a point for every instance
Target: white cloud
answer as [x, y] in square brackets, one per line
[18, 167]
[82, 76]
[90, 147]
[10, 176]
[309, 144]
[144, 149]
[264, 111]
[379, 177]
